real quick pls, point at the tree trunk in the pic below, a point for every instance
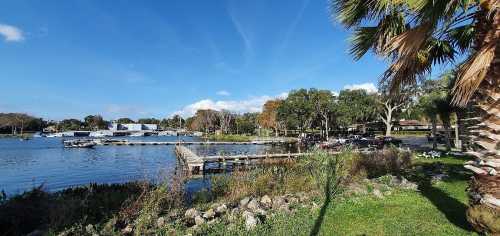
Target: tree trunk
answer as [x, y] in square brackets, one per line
[326, 128]
[447, 134]
[458, 142]
[484, 191]
[434, 133]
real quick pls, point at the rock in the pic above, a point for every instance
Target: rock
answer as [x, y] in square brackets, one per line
[128, 229]
[191, 213]
[160, 222]
[377, 193]
[292, 200]
[244, 202]
[253, 205]
[438, 177]
[266, 201]
[198, 220]
[250, 220]
[221, 209]
[209, 214]
[278, 202]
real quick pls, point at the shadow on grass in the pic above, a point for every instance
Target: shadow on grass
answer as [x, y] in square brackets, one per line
[453, 209]
[322, 212]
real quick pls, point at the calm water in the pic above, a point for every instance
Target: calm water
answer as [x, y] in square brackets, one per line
[27, 164]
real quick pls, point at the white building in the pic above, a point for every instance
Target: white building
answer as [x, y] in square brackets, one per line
[133, 127]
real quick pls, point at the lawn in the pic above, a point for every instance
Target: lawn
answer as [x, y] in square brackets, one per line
[436, 209]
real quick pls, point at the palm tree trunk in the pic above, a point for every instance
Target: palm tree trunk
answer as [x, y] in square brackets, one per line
[447, 134]
[484, 191]
[434, 133]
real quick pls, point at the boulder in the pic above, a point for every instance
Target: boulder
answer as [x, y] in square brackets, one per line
[198, 220]
[191, 213]
[244, 202]
[377, 193]
[160, 222]
[253, 205]
[209, 214]
[250, 220]
[266, 201]
[278, 201]
[221, 209]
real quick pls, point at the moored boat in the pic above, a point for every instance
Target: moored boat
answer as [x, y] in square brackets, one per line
[77, 143]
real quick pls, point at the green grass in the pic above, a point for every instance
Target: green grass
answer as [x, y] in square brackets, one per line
[436, 209]
[230, 138]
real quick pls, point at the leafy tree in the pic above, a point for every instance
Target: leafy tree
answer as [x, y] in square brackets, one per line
[415, 36]
[355, 107]
[269, 117]
[94, 122]
[297, 110]
[148, 121]
[246, 123]
[125, 121]
[70, 124]
[324, 107]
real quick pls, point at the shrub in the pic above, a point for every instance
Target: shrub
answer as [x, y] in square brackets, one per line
[383, 162]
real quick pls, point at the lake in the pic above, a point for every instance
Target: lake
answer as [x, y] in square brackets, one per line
[28, 164]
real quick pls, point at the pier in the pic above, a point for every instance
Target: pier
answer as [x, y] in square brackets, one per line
[144, 143]
[196, 164]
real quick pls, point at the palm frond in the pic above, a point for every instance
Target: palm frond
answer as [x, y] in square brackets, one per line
[462, 36]
[472, 73]
[362, 40]
[409, 42]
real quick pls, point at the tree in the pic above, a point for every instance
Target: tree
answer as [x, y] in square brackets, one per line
[148, 121]
[225, 118]
[323, 103]
[355, 107]
[204, 120]
[70, 124]
[269, 117]
[393, 102]
[297, 110]
[94, 122]
[246, 123]
[125, 121]
[415, 35]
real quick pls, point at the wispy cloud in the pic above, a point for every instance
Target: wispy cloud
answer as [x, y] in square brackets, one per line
[369, 87]
[294, 23]
[247, 42]
[11, 33]
[223, 93]
[252, 104]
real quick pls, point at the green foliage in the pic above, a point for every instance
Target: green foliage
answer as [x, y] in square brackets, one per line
[355, 106]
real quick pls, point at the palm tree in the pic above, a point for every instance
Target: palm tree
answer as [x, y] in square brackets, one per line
[415, 35]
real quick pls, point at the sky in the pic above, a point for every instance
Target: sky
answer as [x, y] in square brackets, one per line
[69, 59]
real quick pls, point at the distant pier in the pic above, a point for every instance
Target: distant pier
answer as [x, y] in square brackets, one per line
[196, 164]
[144, 143]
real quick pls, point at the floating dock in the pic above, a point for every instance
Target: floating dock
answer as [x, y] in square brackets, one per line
[196, 164]
[144, 143]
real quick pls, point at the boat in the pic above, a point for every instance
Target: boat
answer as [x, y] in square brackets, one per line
[136, 134]
[79, 143]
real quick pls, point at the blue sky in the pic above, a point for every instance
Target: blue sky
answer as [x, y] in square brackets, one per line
[63, 59]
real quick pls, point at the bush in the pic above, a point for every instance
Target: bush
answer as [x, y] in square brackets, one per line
[383, 162]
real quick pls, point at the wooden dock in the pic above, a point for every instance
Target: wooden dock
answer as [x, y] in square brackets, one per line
[196, 164]
[144, 143]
